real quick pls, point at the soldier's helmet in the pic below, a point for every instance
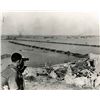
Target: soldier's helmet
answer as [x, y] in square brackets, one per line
[15, 57]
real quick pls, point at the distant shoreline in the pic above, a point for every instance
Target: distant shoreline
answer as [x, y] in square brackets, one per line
[60, 43]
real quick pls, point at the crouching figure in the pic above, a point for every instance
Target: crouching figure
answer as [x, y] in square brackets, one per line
[12, 77]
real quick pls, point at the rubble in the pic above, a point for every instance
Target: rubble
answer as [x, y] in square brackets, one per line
[5, 56]
[79, 73]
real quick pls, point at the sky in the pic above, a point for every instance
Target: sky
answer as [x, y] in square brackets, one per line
[50, 23]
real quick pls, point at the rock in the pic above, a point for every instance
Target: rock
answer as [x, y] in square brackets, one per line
[53, 74]
[97, 83]
[69, 79]
[82, 81]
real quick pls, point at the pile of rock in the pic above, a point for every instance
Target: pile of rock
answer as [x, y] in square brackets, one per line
[81, 73]
[5, 56]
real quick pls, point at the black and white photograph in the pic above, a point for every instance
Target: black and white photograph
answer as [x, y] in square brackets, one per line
[48, 50]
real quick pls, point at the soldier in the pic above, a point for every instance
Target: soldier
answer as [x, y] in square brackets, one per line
[12, 75]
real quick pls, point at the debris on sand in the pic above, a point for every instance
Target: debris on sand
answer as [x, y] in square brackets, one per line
[78, 74]
[5, 56]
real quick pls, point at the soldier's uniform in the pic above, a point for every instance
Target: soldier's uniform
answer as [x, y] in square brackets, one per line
[12, 77]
